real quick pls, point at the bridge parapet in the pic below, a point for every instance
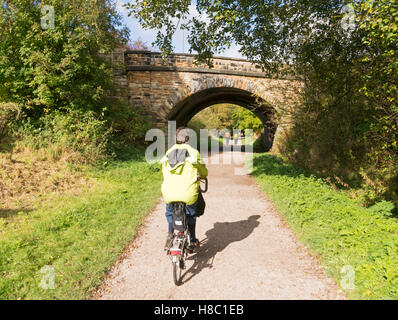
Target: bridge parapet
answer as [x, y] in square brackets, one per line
[153, 61]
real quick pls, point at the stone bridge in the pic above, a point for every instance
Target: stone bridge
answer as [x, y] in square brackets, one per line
[175, 88]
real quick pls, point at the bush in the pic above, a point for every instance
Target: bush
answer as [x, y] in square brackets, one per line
[128, 126]
[246, 119]
[259, 145]
[9, 114]
[75, 136]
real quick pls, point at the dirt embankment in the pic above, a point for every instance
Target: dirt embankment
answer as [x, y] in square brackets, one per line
[26, 178]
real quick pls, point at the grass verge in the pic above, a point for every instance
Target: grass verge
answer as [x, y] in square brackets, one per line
[338, 229]
[78, 237]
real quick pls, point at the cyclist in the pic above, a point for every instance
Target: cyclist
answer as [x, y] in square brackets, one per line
[181, 167]
[235, 138]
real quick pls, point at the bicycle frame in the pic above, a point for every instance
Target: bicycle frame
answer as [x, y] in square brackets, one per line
[180, 243]
[178, 253]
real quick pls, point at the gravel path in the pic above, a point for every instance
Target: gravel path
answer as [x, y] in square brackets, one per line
[247, 252]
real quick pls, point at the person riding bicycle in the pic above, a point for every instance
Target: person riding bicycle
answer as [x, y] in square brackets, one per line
[181, 167]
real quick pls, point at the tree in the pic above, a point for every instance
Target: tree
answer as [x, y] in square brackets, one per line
[245, 119]
[380, 25]
[137, 45]
[53, 54]
[215, 117]
[267, 31]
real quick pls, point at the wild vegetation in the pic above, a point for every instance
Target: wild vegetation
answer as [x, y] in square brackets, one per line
[78, 236]
[344, 127]
[226, 117]
[68, 201]
[358, 245]
[60, 80]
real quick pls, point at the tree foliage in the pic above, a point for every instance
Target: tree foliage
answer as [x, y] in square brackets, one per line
[215, 117]
[267, 31]
[138, 44]
[245, 119]
[380, 24]
[63, 66]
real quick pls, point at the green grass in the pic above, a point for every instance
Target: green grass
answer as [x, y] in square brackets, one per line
[81, 237]
[335, 227]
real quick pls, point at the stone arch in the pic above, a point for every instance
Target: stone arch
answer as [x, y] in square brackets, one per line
[199, 84]
[209, 94]
[176, 87]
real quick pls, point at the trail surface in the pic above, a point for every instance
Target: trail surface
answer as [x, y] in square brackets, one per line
[247, 252]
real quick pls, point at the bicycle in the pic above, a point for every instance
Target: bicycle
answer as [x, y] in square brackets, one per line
[181, 243]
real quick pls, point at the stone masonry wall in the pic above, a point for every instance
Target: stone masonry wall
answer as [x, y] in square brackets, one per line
[156, 85]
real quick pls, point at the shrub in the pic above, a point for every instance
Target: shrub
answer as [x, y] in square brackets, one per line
[246, 119]
[76, 136]
[259, 145]
[9, 114]
[128, 126]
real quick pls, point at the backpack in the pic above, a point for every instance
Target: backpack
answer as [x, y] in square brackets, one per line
[179, 219]
[200, 208]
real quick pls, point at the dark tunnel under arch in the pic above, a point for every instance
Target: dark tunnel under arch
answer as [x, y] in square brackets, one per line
[187, 108]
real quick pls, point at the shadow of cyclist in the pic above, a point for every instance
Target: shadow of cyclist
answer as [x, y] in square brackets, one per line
[218, 238]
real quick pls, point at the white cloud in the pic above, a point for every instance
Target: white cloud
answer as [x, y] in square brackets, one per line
[233, 52]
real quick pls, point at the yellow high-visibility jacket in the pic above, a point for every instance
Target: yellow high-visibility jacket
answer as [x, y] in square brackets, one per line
[181, 166]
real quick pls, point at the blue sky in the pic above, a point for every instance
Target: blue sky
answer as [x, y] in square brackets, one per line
[148, 36]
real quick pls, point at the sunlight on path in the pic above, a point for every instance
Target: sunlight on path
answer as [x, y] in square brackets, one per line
[247, 252]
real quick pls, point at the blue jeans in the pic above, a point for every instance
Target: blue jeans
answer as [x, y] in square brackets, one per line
[190, 211]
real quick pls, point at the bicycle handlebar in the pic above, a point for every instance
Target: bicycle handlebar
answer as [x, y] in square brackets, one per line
[206, 184]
